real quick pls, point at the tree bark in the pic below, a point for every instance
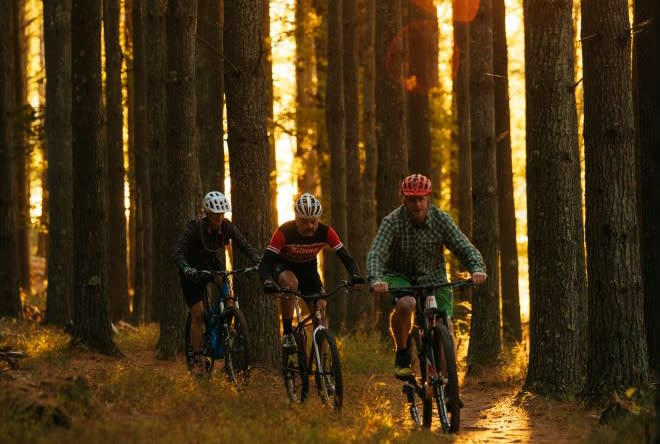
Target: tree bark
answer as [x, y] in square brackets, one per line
[116, 234]
[556, 252]
[10, 300]
[485, 340]
[617, 339]
[91, 310]
[249, 166]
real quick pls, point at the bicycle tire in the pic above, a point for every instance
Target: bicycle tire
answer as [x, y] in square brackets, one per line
[442, 342]
[294, 370]
[237, 347]
[329, 379]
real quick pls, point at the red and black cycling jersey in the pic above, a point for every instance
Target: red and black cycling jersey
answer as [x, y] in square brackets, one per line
[289, 246]
[202, 248]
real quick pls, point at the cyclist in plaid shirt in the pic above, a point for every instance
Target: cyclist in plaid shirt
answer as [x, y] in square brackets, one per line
[408, 250]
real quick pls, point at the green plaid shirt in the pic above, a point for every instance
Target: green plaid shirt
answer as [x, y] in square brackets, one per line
[415, 252]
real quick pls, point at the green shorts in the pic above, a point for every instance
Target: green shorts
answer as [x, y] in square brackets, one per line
[443, 296]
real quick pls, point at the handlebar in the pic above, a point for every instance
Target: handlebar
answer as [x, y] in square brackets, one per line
[315, 296]
[224, 274]
[416, 289]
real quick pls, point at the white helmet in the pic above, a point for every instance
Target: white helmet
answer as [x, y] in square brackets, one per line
[216, 202]
[308, 206]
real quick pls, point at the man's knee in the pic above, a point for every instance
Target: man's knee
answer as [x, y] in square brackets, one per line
[405, 305]
[287, 279]
[197, 313]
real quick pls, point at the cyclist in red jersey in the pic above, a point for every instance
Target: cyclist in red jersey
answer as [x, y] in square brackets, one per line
[290, 258]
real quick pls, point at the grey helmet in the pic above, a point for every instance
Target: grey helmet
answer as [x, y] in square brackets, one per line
[308, 206]
[216, 202]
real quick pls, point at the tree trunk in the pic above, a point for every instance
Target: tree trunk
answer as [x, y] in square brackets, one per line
[91, 310]
[390, 122]
[556, 243]
[57, 43]
[116, 234]
[209, 87]
[647, 113]
[617, 340]
[249, 166]
[182, 168]
[131, 229]
[10, 300]
[422, 33]
[485, 341]
[156, 59]
[143, 284]
[505, 205]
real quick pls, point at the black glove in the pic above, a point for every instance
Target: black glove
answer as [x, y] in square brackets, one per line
[191, 273]
[271, 287]
[356, 280]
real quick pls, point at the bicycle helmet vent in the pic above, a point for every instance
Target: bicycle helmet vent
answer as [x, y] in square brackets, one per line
[216, 202]
[416, 185]
[308, 206]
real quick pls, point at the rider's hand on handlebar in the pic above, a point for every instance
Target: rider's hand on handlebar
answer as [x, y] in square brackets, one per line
[191, 273]
[379, 287]
[270, 287]
[479, 277]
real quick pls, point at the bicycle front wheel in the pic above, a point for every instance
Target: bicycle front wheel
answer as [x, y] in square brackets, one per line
[448, 402]
[237, 347]
[328, 374]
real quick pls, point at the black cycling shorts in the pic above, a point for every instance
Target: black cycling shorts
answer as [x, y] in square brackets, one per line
[307, 274]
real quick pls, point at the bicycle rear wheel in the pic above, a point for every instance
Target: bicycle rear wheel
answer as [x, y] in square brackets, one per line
[294, 372]
[328, 376]
[237, 347]
[451, 408]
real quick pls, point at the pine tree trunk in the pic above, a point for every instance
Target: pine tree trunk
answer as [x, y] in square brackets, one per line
[505, 205]
[57, 43]
[617, 339]
[249, 165]
[647, 113]
[10, 300]
[182, 168]
[390, 121]
[116, 249]
[156, 58]
[556, 244]
[91, 310]
[209, 87]
[485, 341]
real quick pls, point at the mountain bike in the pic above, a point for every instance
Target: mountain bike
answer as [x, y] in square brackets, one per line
[321, 360]
[431, 347]
[226, 333]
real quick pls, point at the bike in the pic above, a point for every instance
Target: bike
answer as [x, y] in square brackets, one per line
[321, 360]
[226, 332]
[435, 377]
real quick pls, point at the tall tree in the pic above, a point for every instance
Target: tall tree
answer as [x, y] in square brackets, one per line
[422, 33]
[335, 116]
[156, 60]
[10, 300]
[485, 340]
[505, 205]
[182, 168]
[647, 113]
[57, 43]
[114, 155]
[143, 277]
[617, 341]
[390, 122]
[209, 88]
[556, 242]
[248, 163]
[91, 322]
[354, 236]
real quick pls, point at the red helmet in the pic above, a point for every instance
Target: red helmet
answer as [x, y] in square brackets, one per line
[416, 185]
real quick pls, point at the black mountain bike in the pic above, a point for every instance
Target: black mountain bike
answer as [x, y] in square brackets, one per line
[431, 347]
[226, 333]
[321, 360]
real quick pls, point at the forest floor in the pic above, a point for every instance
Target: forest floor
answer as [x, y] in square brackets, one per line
[60, 394]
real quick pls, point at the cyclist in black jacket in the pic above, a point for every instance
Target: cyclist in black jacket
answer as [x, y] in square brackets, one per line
[202, 246]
